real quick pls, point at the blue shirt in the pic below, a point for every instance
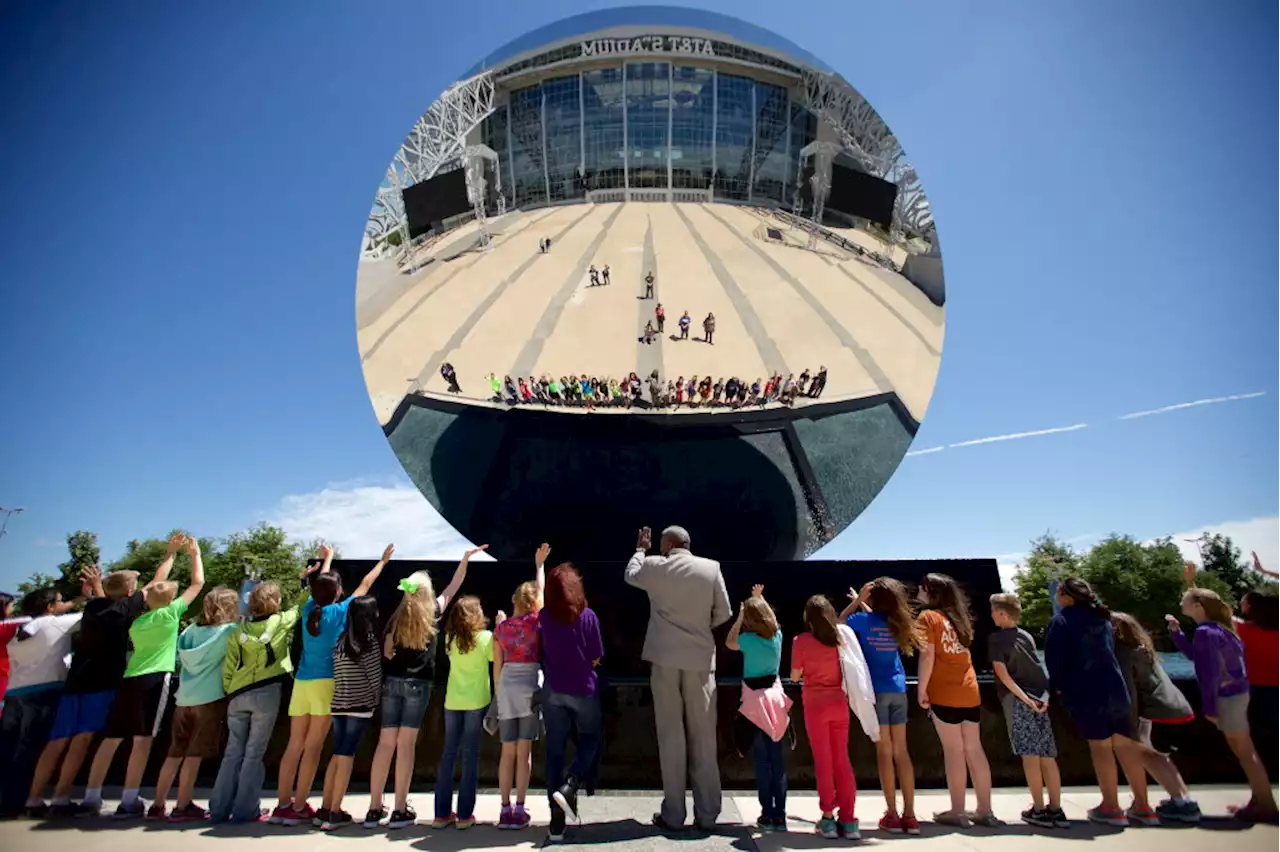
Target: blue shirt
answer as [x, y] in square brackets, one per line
[760, 656]
[317, 651]
[881, 651]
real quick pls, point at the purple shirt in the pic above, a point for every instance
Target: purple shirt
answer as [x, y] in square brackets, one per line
[1219, 659]
[569, 652]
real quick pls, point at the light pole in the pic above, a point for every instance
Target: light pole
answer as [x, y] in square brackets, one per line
[4, 527]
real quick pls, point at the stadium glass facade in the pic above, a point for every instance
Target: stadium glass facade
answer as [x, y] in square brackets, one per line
[648, 124]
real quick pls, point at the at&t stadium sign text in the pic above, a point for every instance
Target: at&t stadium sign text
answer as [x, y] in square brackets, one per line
[648, 44]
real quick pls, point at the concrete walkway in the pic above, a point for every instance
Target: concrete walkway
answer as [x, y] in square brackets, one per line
[622, 821]
[779, 308]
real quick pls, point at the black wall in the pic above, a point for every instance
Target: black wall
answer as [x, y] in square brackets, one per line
[859, 194]
[435, 200]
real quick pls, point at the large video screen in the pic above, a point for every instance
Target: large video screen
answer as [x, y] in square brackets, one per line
[859, 194]
[435, 200]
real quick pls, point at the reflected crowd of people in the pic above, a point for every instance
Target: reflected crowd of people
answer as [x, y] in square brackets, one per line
[695, 392]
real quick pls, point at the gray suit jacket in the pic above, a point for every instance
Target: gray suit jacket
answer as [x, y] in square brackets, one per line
[687, 600]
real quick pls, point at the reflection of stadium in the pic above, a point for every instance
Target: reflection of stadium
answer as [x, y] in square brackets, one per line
[754, 185]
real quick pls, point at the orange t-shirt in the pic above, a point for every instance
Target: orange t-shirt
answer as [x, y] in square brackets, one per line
[1261, 654]
[953, 682]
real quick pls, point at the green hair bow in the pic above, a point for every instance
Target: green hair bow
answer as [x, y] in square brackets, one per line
[409, 588]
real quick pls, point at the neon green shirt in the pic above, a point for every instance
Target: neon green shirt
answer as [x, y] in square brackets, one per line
[468, 687]
[154, 635]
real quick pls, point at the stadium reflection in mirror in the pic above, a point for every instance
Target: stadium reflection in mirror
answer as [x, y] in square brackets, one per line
[650, 266]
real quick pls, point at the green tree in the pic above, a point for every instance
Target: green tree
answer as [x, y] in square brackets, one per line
[265, 551]
[1222, 560]
[1048, 560]
[1143, 580]
[37, 580]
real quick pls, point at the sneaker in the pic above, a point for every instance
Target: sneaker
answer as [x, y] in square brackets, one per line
[441, 822]
[156, 812]
[891, 823]
[300, 816]
[504, 820]
[463, 823]
[319, 818]
[1143, 816]
[338, 819]
[988, 820]
[40, 811]
[1185, 811]
[65, 810]
[951, 818]
[765, 823]
[1059, 817]
[374, 817]
[190, 812]
[828, 828]
[780, 823]
[910, 824]
[1253, 813]
[850, 830]
[279, 815]
[555, 833]
[567, 798]
[1113, 818]
[1038, 816]
[405, 819]
[520, 819]
[133, 811]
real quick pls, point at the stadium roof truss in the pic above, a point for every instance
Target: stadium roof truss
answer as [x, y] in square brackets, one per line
[439, 139]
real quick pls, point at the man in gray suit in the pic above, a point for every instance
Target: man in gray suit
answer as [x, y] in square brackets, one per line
[687, 600]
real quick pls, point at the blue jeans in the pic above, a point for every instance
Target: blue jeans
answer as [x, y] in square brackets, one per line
[461, 730]
[251, 716]
[24, 729]
[771, 776]
[562, 715]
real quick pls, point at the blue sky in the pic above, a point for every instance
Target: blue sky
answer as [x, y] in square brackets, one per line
[185, 189]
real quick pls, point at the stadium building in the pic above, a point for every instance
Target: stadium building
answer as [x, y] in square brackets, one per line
[753, 183]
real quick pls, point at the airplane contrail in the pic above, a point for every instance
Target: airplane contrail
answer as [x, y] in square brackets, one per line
[1180, 406]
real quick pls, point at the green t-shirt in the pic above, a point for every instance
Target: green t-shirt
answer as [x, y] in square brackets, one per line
[154, 635]
[468, 687]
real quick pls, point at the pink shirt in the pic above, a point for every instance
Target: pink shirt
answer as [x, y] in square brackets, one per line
[518, 638]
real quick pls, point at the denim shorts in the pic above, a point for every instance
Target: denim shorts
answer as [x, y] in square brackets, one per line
[347, 733]
[404, 702]
[891, 708]
[524, 728]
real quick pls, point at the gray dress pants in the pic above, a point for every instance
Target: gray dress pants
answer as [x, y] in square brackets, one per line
[684, 710]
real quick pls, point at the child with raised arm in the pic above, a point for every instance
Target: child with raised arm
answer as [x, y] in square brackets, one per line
[470, 649]
[357, 691]
[324, 615]
[756, 634]
[37, 656]
[516, 668]
[254, 671]
[1218, 655]
[201, 714]
[1023, 688]
[815, 661]
[880, 616]
[1158, 714]
[140, 702]
[408, 670]
[947, 687]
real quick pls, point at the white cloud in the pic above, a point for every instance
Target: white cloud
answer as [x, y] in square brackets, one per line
[361, 519]
[1261, 535]
[1180, 406]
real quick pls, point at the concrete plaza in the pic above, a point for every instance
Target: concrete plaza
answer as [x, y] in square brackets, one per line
[621, 820]
[512, 311]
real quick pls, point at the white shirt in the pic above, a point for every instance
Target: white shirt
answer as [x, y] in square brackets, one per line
[41, 652]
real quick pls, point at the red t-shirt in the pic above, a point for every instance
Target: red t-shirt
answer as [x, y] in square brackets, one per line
[8, 630]
[518, 638]
[819, 665]
[1261, 654]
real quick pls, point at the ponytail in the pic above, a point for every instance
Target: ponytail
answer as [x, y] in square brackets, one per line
[326, 588]
[1083, 595]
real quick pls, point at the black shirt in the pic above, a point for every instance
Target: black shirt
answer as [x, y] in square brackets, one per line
[412, 664]
[101, 648]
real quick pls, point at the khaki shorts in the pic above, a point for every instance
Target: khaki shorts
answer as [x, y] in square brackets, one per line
[197, 731]
[1233, 714]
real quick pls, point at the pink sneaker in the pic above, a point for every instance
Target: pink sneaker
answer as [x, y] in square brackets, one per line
[504, 820]
[520, 818]
[280, 813]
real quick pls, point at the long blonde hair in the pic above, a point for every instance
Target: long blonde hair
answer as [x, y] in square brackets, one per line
[413, 624]
[1215, 608]
[525, 600]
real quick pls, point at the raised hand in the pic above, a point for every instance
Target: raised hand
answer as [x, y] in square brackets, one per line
[90, 573]
[193, 545]
[501, 617]
[387, 551]
[175, 543]
[1189, 574]
[853, 594]
[473, 551]
[326, 551]
[544, 551]
[1172, 621]
[645, 539]
[757, 591]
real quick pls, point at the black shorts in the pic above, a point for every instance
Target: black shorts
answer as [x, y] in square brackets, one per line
[139, 706]
[956, 715]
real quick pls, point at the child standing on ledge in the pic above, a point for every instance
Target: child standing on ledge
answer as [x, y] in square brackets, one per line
[1023, 688]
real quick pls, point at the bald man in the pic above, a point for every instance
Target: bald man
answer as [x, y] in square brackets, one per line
[687, 600]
